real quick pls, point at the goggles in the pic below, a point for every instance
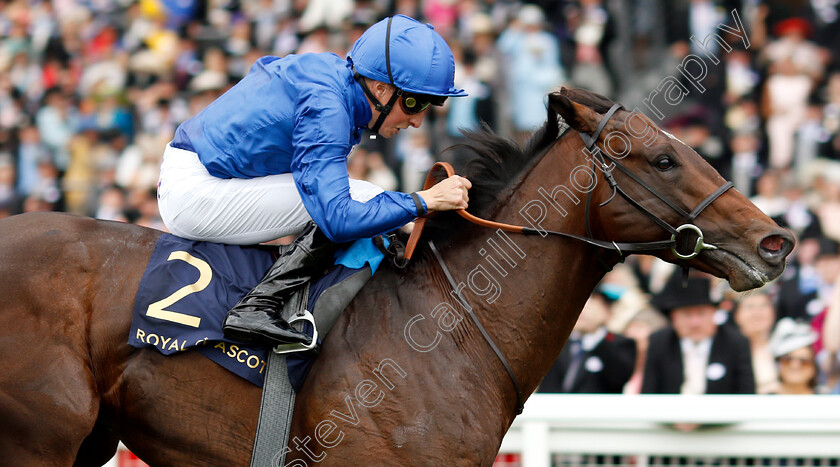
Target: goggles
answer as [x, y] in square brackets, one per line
[413, 103]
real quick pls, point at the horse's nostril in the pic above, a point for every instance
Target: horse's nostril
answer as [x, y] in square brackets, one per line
[772, 244]
[774, 248]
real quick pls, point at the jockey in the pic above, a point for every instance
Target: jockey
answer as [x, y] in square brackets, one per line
[268, 158]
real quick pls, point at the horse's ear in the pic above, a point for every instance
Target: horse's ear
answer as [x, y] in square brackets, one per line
[579, 117]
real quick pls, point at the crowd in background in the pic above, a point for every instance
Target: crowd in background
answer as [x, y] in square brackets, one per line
[91, 91]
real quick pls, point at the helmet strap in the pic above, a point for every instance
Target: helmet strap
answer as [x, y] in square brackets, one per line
[386, 109]
[383, 110]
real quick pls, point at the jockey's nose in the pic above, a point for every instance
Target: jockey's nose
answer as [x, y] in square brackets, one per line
[417, 119]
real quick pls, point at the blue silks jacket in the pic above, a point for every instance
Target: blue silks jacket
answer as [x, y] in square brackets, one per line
[300, 114]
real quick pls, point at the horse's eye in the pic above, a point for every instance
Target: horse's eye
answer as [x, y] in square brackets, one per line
[665, 163]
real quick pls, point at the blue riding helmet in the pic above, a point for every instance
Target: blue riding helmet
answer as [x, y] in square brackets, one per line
[408, 54]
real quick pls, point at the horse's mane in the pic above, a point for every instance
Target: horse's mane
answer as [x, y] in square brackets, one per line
[492, 162]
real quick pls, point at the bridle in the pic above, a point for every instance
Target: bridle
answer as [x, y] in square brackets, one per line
[599, 162]
[601, 157]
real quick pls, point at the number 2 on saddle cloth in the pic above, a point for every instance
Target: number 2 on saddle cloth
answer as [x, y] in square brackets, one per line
[189, 286]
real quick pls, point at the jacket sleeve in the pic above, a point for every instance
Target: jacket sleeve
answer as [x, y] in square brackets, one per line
[653, 377]
[744, 377]
[321, 140]
[619, 356]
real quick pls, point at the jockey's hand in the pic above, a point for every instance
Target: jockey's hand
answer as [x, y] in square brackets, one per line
[448, 194]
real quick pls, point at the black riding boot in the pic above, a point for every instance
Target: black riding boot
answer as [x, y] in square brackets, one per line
[256, 318]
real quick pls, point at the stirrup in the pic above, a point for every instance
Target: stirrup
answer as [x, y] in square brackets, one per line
[303, 315]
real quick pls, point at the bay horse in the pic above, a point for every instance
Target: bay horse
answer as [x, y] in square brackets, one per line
[403, 378]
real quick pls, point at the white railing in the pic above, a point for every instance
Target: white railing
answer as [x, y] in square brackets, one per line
[642, 426]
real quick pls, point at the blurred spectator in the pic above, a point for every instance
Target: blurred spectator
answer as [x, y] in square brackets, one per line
[143, 209]
[35, 203]
[326, 13]
[57, 122]
[798, 216]
[316, 41]
[700, 19]
[697, 18]
[138, 164]
[826, 204]
[694, 355]
[364, 164]
[693, 128]
[214, 75]
[755, 317]
[831, 117]
[809, 138]
[30, 154]
[744, 147]
[794, 65]
[741, 77]
[769, 196]
[483, 46]
[791, 345]
[111, 205]
[641, 326]
[48, 188]
[799, 285]
[286, 40]
[415, 153]
[593, 360]
[379, 173]
[533, 68]
[8, 193]
[591, 28]
[830, 336]
[469, 112]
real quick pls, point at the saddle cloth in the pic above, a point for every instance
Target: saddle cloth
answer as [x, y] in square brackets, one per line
[189, 286]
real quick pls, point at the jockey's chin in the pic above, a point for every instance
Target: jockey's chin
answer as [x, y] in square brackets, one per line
[388, 131]
[398, 120]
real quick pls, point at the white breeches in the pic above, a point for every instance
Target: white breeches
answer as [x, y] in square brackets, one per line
[196, 205]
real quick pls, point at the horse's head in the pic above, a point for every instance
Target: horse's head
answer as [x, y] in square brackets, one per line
[670, 184]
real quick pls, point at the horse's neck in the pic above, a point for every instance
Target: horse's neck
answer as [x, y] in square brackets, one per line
[526, 290]
[541, 297]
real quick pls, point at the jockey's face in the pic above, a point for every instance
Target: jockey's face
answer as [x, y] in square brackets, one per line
[397, 119]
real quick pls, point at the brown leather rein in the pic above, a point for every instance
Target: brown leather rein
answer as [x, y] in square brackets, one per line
[421, 222]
